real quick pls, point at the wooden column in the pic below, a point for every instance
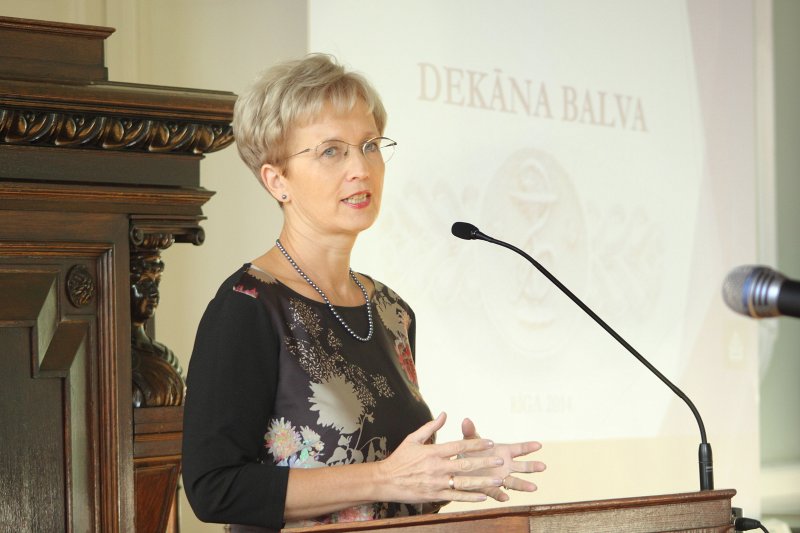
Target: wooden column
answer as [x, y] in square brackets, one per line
[96, 178]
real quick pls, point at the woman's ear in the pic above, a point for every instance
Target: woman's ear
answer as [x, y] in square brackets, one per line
[274, 181]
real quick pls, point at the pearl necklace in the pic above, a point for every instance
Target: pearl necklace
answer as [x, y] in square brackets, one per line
[327, 301]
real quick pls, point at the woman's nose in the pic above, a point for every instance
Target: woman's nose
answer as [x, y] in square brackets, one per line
[357, 164]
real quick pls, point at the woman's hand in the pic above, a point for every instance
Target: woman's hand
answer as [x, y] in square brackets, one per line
[508, 452]
[417, 472]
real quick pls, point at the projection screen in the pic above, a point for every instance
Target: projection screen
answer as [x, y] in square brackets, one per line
[614, 142]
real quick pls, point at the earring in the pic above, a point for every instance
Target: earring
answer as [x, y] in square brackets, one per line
[284, 197]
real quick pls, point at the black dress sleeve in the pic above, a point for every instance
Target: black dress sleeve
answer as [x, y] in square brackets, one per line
[231, 386]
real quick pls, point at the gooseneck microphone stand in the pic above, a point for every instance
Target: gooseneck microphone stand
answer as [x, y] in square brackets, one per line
[464, 230]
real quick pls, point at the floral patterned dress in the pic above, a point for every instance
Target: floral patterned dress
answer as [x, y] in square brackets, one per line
[329, 398]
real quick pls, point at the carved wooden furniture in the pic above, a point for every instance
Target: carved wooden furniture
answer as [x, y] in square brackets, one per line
[697, 512]
[96, 178]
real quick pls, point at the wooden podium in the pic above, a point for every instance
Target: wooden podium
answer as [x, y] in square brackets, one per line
[696, 512]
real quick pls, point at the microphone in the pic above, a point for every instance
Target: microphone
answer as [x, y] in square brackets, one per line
[760, 292]
[465, 230]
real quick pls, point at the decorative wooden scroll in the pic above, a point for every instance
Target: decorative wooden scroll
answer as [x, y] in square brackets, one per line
[48, 128]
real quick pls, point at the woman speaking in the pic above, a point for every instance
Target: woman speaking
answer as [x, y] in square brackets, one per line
[302, 399]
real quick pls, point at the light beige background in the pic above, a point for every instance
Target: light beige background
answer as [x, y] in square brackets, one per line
[222, 44]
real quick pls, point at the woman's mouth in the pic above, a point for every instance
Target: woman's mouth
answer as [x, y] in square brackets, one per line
[357, 200]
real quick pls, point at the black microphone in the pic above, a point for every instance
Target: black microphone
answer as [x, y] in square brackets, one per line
[465, 230]
[760, 292]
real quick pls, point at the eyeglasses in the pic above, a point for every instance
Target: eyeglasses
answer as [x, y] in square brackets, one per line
[334, 152]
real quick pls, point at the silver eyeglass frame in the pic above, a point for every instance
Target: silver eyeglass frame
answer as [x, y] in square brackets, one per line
[362, 147]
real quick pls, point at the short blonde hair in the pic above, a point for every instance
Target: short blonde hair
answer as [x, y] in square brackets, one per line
[293, 93]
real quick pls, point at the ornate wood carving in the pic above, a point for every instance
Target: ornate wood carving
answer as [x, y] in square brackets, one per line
[150, 232]
[30, 126]
[80, 286]
[157, 375]
[103, 115]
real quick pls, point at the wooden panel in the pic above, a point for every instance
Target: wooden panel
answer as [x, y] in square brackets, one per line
[157, 420]
[156, 480]
[32, 486]
[155, 445]
[157, 464]
[45, 434]
[65, 433]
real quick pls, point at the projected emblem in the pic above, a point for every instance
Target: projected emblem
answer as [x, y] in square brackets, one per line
[532, 204]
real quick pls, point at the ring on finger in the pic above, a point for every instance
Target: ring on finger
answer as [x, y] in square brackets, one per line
[505, 486]
[451, 482]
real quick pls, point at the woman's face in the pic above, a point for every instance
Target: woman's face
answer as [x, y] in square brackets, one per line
[329, 199]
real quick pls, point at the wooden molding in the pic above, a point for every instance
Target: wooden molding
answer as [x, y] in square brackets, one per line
[177, 203]
[694, 512]
[42, 127]
[42, 49]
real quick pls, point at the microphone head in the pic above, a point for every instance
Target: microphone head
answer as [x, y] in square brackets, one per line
[464, 230]
[753, 290]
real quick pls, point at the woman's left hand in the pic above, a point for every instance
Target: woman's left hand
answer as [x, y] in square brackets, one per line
[509, 452]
